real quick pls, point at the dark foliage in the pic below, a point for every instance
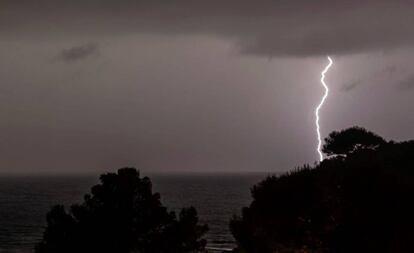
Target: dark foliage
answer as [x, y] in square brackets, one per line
[361, 203]
[350, 140]
[122, 215]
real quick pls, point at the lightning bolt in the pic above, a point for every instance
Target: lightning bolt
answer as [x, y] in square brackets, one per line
[320, 106]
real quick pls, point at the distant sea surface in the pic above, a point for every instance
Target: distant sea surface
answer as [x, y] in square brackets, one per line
[25, 200]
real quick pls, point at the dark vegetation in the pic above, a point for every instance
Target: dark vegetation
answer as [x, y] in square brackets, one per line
[361, 199]
[122, 215]
[350, 140]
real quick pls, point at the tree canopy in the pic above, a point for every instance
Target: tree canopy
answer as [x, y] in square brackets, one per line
[122, 215]
[357, 203]
[347, 141]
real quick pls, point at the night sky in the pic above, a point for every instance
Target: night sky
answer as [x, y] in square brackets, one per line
[181, 85]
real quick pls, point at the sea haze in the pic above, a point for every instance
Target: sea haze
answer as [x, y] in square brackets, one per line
[25, 200]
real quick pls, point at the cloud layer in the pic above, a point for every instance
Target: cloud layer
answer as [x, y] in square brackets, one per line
[167, 91]
[77, 53]
[272, 28]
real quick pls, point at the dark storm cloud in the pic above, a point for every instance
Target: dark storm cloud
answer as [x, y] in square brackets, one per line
[385, 73]
[271, 28]
[351, 85]
[77, 53]
[407, 83]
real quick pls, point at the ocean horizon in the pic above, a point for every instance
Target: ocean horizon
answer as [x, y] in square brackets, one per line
[25, 200]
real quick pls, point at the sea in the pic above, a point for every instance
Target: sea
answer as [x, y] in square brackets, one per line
[25, 200]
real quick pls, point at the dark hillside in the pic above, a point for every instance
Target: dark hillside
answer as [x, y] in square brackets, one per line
[362, 201]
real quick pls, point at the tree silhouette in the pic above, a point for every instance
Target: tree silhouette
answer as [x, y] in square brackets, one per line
[122, 215]
[349, 140]
[360, 203]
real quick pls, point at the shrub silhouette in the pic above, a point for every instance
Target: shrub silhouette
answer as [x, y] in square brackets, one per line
[122, 215]
[349, 140]
[363, 202]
